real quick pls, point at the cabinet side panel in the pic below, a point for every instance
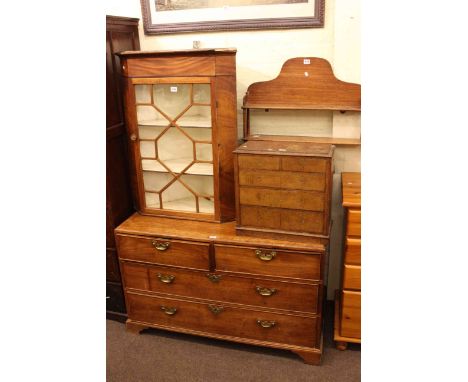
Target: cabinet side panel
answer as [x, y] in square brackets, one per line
[132, 128]
[226, 140]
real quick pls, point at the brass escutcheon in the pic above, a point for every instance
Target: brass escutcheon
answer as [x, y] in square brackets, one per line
[216, 309]
[266, 324]
[265, 291]
[168, 310]
[213, 278]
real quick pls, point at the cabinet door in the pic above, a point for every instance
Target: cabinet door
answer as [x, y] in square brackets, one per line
[174, 151]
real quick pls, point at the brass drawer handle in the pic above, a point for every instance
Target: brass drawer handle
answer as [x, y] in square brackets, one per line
[265, 256]
[266, 324]
[265, 291]
[169, 311]
[213, 278]
[160, 246]
[215, 309]
[166, 279]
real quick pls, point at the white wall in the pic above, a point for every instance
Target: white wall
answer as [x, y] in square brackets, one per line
[260, 55]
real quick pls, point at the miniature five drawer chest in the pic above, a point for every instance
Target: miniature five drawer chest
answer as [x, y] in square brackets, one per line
[283, 189]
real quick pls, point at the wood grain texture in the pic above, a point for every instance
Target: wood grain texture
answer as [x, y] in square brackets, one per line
[280, 219]
[352, 251]
[341, 341]
[231, 321]
[213, 66]
[348, 322]
[351, 189]
[179, 253]
[300, 265]
[287, 295]
[283, 187]
[294, 89]
[317, 140]
[353, 227]
[226, 138]
[352, 277]
[282, 179]
[351, 314]
[207, 232]
[184, 65]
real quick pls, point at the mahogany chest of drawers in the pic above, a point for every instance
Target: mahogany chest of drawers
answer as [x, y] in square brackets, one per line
[348, 299]
[200, 278]
[283, 189]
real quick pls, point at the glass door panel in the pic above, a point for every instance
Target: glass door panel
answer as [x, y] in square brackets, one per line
[175, 134]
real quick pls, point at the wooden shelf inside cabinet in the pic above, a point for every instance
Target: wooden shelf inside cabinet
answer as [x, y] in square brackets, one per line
[298, 104]
[290, 138]
[175, 103]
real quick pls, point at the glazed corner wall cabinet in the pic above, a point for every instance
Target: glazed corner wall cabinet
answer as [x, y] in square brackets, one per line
[186, 265]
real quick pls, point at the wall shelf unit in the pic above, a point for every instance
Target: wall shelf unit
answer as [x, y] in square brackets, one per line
[300, 104]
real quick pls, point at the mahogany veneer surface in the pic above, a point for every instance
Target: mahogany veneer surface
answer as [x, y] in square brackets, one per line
[201, 278]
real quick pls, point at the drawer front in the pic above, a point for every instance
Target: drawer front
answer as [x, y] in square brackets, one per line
[351, 314]
[223, 320]
[115, 301]
[259, 162]
[304, 164]
[112, 265]
[353, 251]
[292, 199]
[171, 66]
[164, 251]
[282, 219]
[270, 262]
[352, 277]
[222, 287]
[282, 179]
[354, 223]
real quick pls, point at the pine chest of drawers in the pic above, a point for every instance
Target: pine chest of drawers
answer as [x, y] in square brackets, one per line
[348, 299]
[283, 189]
[200, 278]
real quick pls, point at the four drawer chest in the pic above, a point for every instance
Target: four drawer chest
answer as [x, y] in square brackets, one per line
[201, 278]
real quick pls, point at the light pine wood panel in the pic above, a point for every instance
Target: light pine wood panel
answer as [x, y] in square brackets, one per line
[352, 251]
[352, 277]
[353, 227]
[351, 314]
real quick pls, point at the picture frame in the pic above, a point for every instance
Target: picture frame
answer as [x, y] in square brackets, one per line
[308, 14]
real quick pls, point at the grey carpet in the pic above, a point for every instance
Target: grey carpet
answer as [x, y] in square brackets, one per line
[156, 355]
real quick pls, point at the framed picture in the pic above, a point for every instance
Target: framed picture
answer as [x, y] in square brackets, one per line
[184, 16]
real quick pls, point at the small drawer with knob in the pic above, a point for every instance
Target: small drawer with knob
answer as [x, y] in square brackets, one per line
[160, 250]
[223, 319]
[220, 286]
[268, 261]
